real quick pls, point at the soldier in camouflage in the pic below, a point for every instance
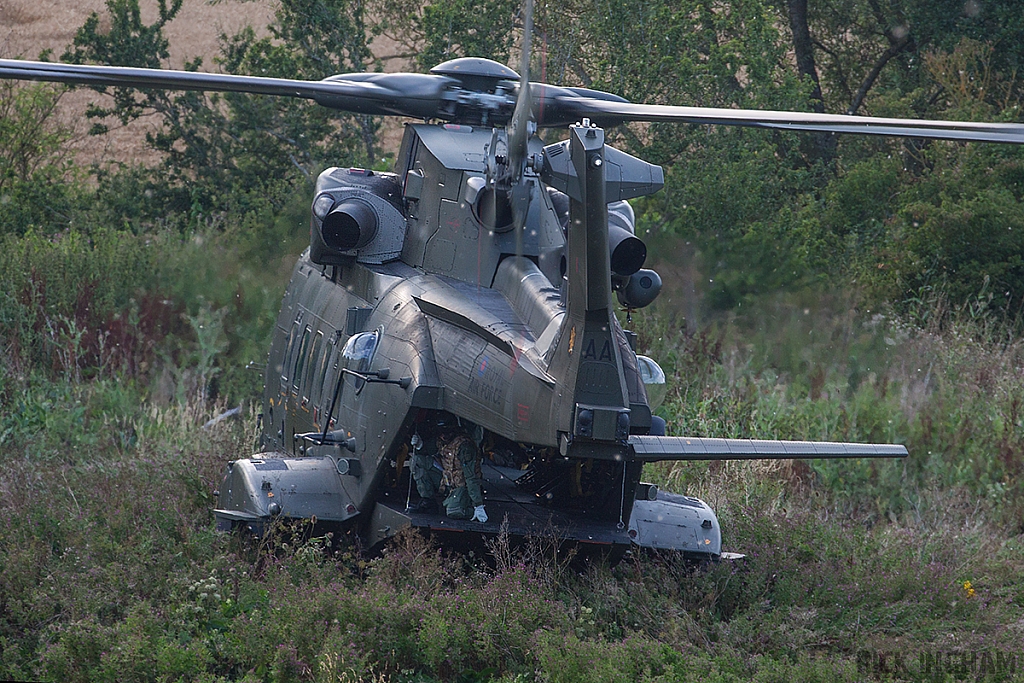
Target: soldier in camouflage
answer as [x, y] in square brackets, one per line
[460, 459]
[426, 472]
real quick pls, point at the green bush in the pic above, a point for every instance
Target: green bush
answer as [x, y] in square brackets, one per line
[39, 188]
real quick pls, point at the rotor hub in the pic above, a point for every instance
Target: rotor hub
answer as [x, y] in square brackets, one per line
[476, 73]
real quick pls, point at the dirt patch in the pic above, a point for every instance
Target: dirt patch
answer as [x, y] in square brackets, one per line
[27, 27]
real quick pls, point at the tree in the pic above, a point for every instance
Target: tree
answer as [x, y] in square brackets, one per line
[766, 210]
[237, 152]
[37, 188]
[722, 184]
[128, 42]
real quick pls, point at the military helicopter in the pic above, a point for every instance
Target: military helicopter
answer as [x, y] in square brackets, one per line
[473, 287]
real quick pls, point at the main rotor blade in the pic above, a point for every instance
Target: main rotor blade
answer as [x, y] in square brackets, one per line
[402, 94]
[438, 96]
[655, 448]
[609, 112]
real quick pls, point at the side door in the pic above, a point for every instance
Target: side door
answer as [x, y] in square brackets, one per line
[278, 384]
[344, 390]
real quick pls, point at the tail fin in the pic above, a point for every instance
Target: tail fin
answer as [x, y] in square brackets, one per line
[593, 408]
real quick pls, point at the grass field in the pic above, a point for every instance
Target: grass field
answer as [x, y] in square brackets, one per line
[118, 342]
[910, 570]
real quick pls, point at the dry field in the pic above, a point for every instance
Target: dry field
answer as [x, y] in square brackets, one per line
[28, 27]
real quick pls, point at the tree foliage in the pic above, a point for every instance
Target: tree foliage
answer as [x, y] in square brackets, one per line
[766, 210]
[127, 42]
[37, 188]
[235, 152]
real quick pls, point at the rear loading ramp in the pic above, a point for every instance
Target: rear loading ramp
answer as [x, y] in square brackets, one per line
[523, 514]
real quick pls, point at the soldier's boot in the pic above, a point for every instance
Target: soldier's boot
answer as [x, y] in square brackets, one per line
[457, 504]
[427, 506]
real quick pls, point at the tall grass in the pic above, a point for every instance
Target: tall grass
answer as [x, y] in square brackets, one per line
[176, 313]
[952, 391]
[110, 568]
[111, 571]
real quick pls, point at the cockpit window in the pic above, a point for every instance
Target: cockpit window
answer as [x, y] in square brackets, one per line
[359, 351]
[654, 380]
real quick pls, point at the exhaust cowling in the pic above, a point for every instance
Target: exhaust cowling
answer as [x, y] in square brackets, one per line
[351, 224]
[357, 215]
[628, 252]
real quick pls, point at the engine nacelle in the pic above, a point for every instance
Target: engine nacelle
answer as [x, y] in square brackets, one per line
[628, 252]
[357, 215]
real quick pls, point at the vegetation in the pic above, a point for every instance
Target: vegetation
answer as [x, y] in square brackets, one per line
[841, 290]
[111, 569]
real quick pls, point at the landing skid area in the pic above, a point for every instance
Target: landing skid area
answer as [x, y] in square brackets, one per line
[271, 485]
[665, 523]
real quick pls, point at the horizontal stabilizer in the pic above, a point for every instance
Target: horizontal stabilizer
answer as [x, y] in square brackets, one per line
[654, 448]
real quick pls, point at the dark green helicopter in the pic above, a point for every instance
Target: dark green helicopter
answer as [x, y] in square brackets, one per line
[473, 287]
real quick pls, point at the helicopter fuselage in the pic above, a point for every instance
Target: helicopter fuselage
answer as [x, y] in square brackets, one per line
[423, 301]
[466, 289]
